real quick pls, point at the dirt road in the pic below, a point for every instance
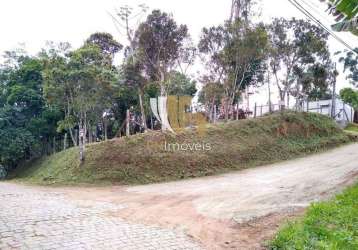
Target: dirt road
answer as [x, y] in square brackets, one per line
[238, 210]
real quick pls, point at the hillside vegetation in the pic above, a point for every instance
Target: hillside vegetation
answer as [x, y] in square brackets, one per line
[353, 127]
[224, 147]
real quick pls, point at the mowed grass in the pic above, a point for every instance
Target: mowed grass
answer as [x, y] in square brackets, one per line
[235, 145]
[327, 225]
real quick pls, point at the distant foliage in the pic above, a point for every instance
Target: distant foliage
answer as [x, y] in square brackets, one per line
[350, 96]
[350, 61]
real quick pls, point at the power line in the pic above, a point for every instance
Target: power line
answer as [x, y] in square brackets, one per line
[319, 23]
[325, 28]
[315, 8]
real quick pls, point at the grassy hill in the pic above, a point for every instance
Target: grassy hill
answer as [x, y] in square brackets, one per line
[352, 127]
[225, 147]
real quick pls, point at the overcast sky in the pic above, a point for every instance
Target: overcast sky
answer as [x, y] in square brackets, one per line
[34, 22]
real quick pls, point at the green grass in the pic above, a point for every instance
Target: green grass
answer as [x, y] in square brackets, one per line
[235, 145]
[353, 127]
[326, 225]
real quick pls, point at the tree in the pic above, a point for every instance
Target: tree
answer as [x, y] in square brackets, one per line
[82, 85]
[299, 57]
[58, 89]
[345, 12]
[241, 10]
[350, 96]
[234, 55]
[132, 68]
[106, 43]
[134, 79]
[211, 95]
[27, 124]
[159, 40]
[350, 61]
[181, 85]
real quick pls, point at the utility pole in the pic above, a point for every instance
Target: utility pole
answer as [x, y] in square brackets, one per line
[333, 112]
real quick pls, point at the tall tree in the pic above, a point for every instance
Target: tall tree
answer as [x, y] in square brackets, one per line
[132, 67]
[234, 55]
[298, 51]
[159, 40]
[82, 85]
[241, 10]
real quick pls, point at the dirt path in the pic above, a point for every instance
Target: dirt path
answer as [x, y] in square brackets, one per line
[232, 211]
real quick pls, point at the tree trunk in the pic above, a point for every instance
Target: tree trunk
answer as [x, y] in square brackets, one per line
[151, 122]
[144, 120]
[212, 106]
[269, 92]
[162, 82]
[288, 100]
[82, 139]
[73, 138]
[65, 142]
[90, 134]
[226, 110]
[128, 123]
[105, 127]
[215, 114]
[54, 145]
[82, 136]
[237, 111]
[282, 100]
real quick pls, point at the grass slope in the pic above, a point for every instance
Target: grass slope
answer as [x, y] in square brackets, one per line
[234, 145]
[326, 225]
[353, 127]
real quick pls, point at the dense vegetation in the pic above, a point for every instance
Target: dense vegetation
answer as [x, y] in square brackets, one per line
[147, 158]
[326, 225]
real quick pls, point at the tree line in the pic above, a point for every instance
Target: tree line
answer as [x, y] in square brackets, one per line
[48, 99]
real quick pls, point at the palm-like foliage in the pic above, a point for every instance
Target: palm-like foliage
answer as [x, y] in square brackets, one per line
[346, 13]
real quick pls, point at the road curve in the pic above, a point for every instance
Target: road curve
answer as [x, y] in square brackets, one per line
[237, 210]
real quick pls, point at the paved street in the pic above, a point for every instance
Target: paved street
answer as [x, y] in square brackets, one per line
[238, 210]
[34, 219]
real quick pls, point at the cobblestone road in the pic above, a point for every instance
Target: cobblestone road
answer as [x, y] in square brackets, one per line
[31, 218]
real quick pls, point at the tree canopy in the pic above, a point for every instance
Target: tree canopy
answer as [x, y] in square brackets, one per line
[64, 96]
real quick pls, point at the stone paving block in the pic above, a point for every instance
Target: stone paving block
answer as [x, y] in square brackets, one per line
[32, 219]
